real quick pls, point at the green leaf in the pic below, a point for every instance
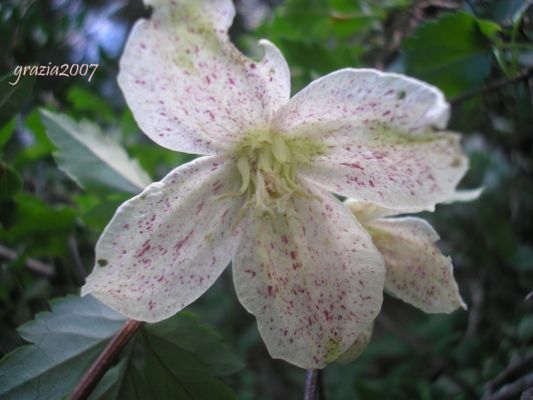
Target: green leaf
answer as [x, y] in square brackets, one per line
[52, 221]
[7, 131]
[172, 373]
[452, 53]
[123, 381]
[91, 158]
[64, 341]
[186, 333]
[181, 358]
[176, 358]
[13, 97]
[86, 101]
[10, 182]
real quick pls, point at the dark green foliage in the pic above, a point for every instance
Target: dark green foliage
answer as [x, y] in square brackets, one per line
[65, 341]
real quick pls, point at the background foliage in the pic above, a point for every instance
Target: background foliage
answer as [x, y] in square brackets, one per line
[52, 208]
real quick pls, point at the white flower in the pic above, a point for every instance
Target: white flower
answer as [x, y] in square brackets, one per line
[259, 196]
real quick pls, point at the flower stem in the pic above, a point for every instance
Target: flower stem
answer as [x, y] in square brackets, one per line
[310, 390]
[104, 360]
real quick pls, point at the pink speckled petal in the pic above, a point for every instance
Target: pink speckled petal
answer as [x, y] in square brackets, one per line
[189, 88]
[166, 246]
[312, 278]
[417, 271]
[377, 136]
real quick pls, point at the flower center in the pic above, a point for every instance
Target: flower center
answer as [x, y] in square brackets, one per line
[267, 163]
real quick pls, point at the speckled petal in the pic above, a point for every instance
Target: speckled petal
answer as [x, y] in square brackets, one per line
[312, 278]
[189, 88]
[166, 246]
[377, 138]
[417, 271]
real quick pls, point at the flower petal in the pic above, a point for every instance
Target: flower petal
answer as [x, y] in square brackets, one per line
[357, 347]
[417, 271]
[377, 139]
[189, 88]
[166, 246]
[312, 278]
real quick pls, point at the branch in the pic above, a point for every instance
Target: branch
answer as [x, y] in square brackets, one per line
[492, 86]
[310, 392]
[523, 363]
[104, 360]
[32, 264]
[512, 390]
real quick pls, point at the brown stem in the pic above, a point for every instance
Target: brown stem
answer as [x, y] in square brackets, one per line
[491, 86]
[310, 392]
[104, 360]
[32, 264]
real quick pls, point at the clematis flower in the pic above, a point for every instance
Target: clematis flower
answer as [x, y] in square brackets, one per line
[260, 194]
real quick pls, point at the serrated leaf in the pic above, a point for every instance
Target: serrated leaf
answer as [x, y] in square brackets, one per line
[65, 341]
[91, 158]
[451, 53]
[176, 358]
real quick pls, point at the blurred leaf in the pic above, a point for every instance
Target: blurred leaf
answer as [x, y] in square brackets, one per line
[99, 216]
[10, 182]
[86, 101]
[39, 145]
[13, 97]
[64, 343]
[451, 53]
[91, 158]
[21, 224]
[7, 131]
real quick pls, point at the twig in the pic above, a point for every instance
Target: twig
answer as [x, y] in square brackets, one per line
[512, 369]
[104, 360]
[492, 86]
[512, 390]
[32, 264]
[310, 392]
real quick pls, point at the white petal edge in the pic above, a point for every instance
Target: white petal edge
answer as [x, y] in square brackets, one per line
[166, 246]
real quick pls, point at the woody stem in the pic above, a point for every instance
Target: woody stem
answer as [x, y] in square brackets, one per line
[105, 359]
